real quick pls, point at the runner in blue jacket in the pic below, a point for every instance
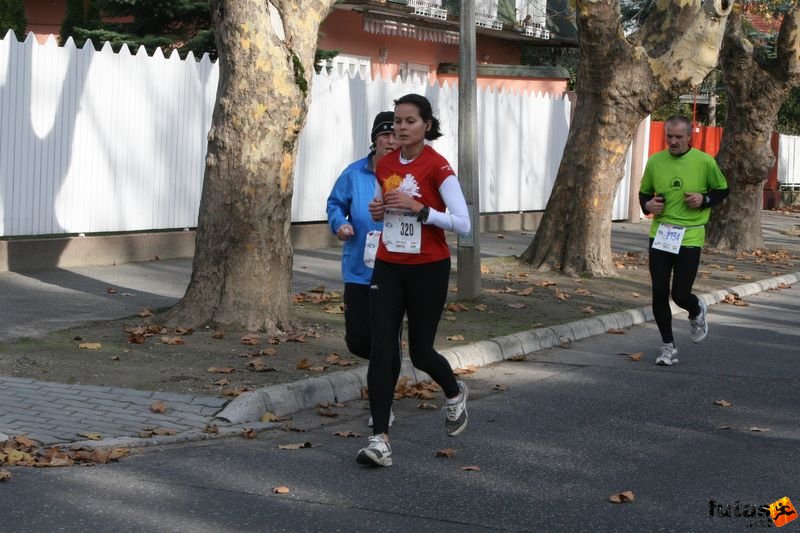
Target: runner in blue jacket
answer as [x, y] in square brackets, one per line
[350, 220]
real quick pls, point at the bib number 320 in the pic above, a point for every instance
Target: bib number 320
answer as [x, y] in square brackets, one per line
[402, 232]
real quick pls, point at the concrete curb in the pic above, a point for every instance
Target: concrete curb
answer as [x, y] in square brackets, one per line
[347, 385]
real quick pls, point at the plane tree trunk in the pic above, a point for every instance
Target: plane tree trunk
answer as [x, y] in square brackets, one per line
[242, 270]
[756, 89]
[619, 82]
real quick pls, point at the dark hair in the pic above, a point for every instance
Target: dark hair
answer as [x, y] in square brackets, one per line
[680, 119]
[425, 111]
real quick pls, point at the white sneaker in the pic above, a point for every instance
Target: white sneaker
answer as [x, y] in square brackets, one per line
[668, 355]
[391, 419]
[377, 453]
[699, 325]
[456, 413]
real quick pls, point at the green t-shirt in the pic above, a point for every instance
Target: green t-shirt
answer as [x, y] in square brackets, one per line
[670, 176]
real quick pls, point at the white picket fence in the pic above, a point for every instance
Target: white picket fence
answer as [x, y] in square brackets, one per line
[789, 161]
[114, 142]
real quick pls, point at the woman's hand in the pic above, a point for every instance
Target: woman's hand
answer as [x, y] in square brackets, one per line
[402, 202]
[376, 209]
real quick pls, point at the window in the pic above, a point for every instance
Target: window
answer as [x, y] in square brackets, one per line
[415, 70]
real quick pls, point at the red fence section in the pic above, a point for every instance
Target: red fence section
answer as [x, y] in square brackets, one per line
[708, 139]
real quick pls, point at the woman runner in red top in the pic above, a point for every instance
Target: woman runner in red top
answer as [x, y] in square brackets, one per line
[419, 199]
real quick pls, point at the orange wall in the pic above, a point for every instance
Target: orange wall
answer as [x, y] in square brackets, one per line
[45, 17]
[343, 31]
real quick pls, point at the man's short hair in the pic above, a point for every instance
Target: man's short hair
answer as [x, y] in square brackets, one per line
[680, 119]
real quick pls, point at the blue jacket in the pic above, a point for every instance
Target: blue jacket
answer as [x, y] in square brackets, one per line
[353, 191]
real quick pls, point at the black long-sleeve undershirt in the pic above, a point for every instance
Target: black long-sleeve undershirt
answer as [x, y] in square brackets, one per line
[710, 199]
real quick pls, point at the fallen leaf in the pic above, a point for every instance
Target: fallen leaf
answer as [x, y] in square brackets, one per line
[723, 403]
[455, 337]
[465, 370]
[525, 292]
[615, 331]
[427, 406]
[583, 292]
[280, 490]
[588, 310]
[560, 295]
[158, 407]
[471, 468]
[480, 307]
[759, 430]
[518, 358]
[5, 475]
[269, 417]
[165, 431]
[500, 387]
[250, 340]
[172, 341]
[635, 356]
[136, 339]
[249, 433]
[622, 497]
[546, 283]
[298, 446]
[211, 428]
[327, 412]
[221, 370]
[218, 335]
[111, 290]
[146, 312]
[317, 368]
[271, 352]
[258, 365]
[222, 382]
[723, 427]
[485, 270]
[741, 303]
[334, 309]
[90, 346]
[184, 331]
[456, 307]
[347, 434]
[304, 364]
[91, 436]
[114, 358]
[636, 294]
[517, 306]
[445, 452]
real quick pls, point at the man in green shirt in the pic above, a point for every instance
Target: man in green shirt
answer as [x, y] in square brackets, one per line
[679, 187]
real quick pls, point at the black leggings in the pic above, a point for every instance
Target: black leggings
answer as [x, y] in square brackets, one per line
[419, 291]
[356, 325]
[682, 267]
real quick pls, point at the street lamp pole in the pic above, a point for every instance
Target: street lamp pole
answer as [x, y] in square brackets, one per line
[469, 249]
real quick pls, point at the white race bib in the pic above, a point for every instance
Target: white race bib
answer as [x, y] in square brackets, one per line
[402, 232]
[669, 238]
[371, 248]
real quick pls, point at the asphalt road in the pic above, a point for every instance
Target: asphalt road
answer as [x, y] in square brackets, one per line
[572, 426]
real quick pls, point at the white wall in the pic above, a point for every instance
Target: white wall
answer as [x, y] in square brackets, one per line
[104, 142]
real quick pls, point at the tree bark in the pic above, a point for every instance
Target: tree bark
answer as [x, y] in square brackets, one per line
[242, 270]
[619, 82]
[756, 89]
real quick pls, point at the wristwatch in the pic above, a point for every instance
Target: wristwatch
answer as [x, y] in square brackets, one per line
[706, 199]
[422, 216]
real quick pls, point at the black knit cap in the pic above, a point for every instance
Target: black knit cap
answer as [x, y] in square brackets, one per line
[383, 123]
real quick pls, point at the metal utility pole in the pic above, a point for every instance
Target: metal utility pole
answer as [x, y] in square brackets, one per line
[469, 247]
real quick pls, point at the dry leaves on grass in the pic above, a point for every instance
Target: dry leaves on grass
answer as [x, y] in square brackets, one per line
[625, 496]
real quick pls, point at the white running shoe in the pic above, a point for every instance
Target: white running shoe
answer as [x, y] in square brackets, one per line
[377, 453]
[699, 324]
[391, 419]
[668, 355]
[456, 413]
